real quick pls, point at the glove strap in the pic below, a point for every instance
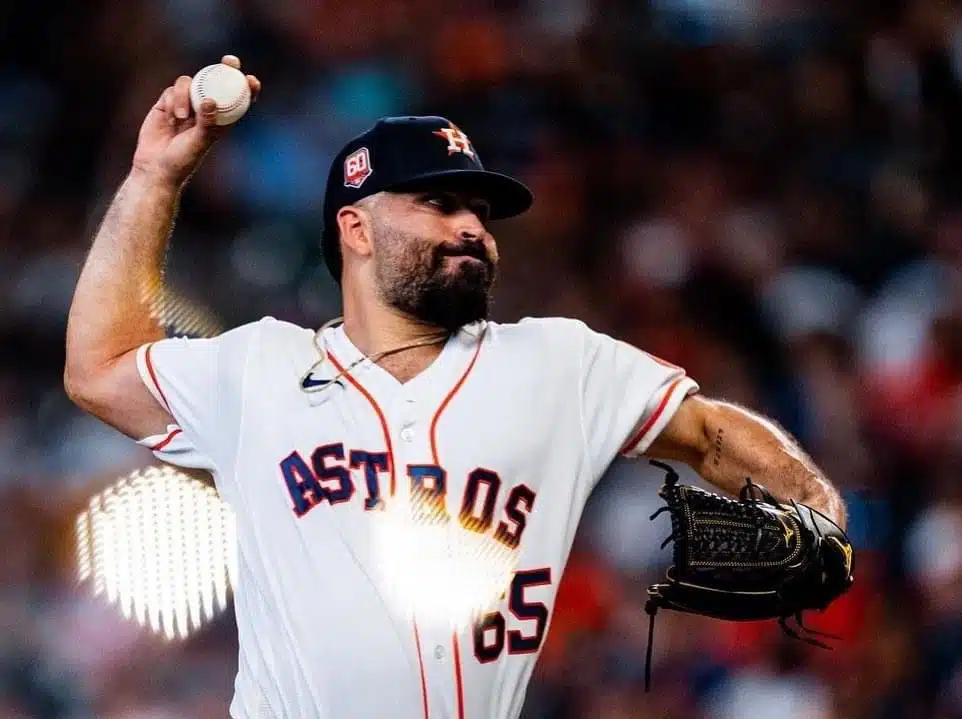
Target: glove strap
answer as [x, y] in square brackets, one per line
[810, 634]
[651, 607]
[671, 476]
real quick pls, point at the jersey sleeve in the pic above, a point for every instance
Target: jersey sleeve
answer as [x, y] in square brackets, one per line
[200, 383]
[628, 396]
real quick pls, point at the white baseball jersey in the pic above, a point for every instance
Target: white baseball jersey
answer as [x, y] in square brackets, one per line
[506, 432]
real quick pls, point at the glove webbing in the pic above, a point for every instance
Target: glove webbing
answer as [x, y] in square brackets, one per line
[653, 605]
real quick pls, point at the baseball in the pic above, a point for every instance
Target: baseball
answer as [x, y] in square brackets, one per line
[227, 86]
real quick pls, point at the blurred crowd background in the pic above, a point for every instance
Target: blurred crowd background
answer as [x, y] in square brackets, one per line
[765, 192]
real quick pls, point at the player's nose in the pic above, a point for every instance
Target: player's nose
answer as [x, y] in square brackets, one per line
[476, 242]
[469, 226]
[470, 229]
[471, 235]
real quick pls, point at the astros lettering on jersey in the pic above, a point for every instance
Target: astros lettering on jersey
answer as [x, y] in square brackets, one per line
[504, 436]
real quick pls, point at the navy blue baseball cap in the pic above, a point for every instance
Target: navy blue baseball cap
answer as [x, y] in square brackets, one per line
[408, 154]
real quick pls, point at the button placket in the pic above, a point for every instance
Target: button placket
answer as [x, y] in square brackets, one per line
[407, 419]
[408, 444]
[439, 672]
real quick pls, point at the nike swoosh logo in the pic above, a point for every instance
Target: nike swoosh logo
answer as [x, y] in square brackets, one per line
[311, 381]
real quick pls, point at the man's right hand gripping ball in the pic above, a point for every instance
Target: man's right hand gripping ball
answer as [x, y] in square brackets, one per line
[173, 138]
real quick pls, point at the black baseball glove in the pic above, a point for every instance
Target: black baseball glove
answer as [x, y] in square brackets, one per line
[748, 559]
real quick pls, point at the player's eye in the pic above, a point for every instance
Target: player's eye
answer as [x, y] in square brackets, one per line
[445, 202]
[448, 203]
[482, 209]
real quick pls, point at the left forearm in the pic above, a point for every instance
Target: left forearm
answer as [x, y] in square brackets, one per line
[744, 444]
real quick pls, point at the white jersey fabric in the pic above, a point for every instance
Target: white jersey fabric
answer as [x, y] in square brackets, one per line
[523, 417]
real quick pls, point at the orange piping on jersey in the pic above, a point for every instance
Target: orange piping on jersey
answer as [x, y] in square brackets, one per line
[437, 461]
[650, 422]
[166, 440]
[377, 411]
[457, 674]
[424, 686]
[153, 377]
[447, 400]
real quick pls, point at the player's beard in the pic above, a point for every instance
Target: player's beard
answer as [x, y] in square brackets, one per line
[414, 276]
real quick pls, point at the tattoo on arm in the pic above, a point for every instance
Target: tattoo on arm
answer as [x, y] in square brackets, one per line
[752, 445]
[719, 441]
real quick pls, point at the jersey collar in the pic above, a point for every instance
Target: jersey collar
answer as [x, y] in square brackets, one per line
[436, 378]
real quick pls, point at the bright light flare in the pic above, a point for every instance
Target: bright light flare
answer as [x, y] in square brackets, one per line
[435, 569]
[177, 314]
[161, 546]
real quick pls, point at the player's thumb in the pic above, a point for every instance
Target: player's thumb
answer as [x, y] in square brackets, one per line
[207, 116]
[205, 131]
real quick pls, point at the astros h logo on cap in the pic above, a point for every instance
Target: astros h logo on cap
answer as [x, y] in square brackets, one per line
[457, 140]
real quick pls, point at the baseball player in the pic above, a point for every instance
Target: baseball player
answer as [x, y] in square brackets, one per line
[310, 434]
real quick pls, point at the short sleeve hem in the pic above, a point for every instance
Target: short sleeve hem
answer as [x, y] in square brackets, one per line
[174, 445]
[146, 369]
[662, 410]
[157, 442]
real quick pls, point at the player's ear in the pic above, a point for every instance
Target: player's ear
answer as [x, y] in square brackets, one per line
[355, 229]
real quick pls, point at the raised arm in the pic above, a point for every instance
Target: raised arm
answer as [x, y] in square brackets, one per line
[725, 443]
[110, 317]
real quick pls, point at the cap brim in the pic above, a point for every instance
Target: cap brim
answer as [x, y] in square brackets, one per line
[506, 196]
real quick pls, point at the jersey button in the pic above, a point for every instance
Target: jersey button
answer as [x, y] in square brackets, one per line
[407, 434]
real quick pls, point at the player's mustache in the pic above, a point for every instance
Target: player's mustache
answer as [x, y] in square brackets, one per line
[464, 249]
